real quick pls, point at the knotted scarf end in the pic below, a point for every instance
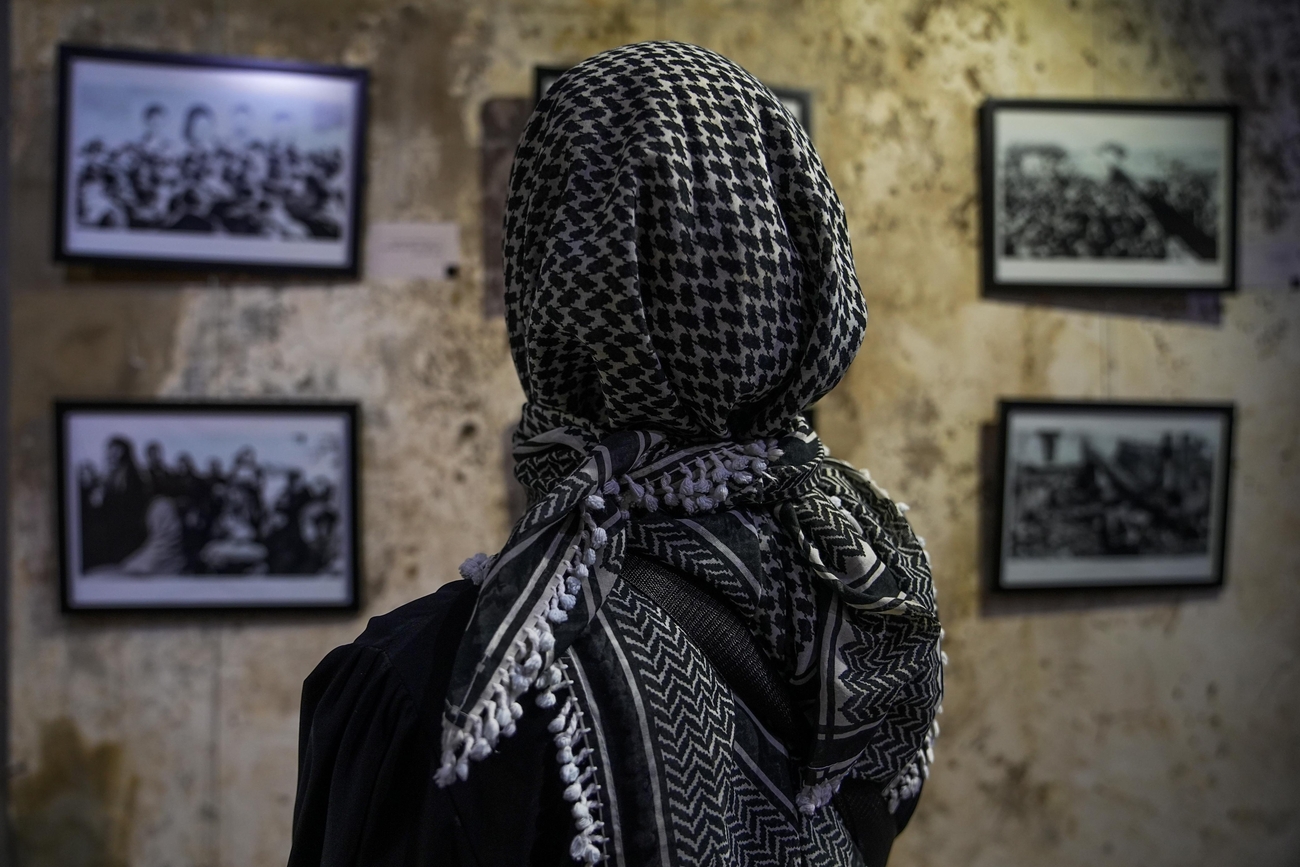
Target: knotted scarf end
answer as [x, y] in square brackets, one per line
[476, 569]
[813, 797]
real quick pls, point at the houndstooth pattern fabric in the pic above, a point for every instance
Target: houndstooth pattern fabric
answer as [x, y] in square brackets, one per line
[695, 779]
[680, 288]
[675, 256]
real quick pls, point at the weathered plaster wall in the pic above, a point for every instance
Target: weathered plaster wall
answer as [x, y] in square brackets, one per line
[1151, 729]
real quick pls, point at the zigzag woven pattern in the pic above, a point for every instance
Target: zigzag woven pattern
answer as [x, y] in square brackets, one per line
[714, 812]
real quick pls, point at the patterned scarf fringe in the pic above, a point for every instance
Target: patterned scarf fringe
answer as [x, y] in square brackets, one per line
[908, 784]
[577, 770]
[529, 665]
[708, 483]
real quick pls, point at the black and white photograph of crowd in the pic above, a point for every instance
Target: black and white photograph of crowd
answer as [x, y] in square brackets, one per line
[196, 171]
[1080, 493]
[147, 510]
[1114, 200]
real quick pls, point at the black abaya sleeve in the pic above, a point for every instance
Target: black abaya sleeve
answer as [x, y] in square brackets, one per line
[369, 746]
[366, 752]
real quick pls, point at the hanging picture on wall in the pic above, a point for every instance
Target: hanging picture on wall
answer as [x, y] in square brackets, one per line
[797, 102]
[208, 163]
[1103, 494]
[207, 505]
[543, 78]
[1116, 196]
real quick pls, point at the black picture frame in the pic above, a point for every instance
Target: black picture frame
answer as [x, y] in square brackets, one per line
[543, 78]
[1106, 508]
[237, 203]
[200, 549]
[1061, 147]
[799, 102]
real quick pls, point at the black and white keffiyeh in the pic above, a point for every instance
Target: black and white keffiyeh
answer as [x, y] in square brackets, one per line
[680, 287]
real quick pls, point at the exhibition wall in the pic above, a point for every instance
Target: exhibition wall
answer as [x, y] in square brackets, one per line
[1138, 727]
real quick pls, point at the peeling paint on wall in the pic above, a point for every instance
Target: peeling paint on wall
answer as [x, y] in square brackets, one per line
[76, 807]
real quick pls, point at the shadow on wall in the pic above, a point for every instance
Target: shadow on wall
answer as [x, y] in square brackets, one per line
[503, 123]
[76, 809]
[1202, 308]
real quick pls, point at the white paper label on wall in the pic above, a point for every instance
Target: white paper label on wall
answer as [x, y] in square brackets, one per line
[412, 251]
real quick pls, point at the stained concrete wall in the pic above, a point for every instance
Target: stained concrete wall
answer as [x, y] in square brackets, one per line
[1151, 729]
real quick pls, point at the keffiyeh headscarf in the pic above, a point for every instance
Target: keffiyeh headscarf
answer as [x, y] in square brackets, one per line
[680, 287]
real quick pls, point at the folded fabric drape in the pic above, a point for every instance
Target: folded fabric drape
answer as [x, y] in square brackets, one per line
[680, 287]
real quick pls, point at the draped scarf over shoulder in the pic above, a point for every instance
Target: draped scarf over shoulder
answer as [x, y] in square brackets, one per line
[680, 288]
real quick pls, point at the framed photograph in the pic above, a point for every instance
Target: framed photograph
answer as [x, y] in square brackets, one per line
[798, 102]
[208, 163]
[1104, 494]
[207, 505]
[1117, 196]
[543, 78]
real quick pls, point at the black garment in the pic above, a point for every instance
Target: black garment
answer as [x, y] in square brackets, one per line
[369, 745]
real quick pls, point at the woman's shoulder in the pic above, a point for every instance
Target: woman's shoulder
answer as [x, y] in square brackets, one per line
[400, 632]
[368, 742]
[406, 654]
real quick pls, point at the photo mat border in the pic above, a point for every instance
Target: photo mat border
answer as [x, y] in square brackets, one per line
[68, 53]
[987, 111]
[349, 410]
[1008, 406]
